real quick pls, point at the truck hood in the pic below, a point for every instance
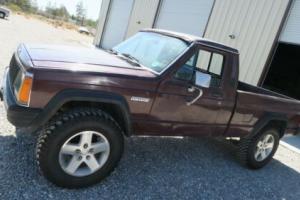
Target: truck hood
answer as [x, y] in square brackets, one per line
[81, 59]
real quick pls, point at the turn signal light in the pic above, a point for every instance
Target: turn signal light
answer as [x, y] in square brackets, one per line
[25, 90]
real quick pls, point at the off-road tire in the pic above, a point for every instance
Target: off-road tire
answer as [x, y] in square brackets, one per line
[64, 125]
[247, 145]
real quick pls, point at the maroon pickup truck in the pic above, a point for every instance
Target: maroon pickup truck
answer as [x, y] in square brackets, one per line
[83, 102]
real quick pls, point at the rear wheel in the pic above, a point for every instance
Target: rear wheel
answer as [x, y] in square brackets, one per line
[258, 151]
[79, 148]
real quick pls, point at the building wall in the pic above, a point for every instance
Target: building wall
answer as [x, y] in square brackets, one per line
[101, 22]
[251, 26]
[142, 16]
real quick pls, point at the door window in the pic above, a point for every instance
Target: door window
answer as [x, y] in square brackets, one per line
[206, 62]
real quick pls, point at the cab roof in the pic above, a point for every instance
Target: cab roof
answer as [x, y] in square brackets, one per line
[191, 38]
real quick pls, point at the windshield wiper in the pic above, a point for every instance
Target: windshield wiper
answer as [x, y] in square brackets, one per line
[131, 59]
[112, 51]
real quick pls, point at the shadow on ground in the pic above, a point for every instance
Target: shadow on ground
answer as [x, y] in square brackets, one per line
[153, 168]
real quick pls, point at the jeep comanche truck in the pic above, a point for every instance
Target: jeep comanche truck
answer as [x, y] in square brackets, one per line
[84, 101]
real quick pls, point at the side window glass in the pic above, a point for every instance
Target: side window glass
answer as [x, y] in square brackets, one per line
[185, 73]
[206, 62]
[211, 63]
[216, 65]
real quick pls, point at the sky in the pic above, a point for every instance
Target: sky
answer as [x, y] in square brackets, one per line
[92, 6]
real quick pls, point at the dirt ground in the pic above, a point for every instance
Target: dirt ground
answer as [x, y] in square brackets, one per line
[20, 29]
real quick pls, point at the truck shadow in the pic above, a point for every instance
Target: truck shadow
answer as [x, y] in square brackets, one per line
[153, 168]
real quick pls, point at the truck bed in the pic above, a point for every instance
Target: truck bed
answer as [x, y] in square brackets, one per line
[255, 103]
[258, 90]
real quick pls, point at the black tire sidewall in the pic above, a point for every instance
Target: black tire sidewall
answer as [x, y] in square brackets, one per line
[51, 166]
[251, 152]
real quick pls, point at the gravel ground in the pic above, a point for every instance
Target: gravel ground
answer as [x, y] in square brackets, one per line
[151, 168]
[19, 29]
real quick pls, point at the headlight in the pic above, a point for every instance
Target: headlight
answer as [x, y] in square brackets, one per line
[22, 87]
[23, 56]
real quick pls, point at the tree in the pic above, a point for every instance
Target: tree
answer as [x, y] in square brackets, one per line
[55, 12]
[63, 13]
[80, 13]
[34, 6]
[25, 5]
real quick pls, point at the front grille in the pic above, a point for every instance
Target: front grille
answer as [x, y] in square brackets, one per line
[14, 68]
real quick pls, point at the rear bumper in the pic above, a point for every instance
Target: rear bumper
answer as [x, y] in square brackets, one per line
[18, 115]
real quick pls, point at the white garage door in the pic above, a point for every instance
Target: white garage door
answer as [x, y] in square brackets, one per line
[117, 23]
[250, 26]
[291, 31]
[186, 16]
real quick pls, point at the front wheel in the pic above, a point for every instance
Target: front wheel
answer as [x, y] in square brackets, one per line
[79, 148]
[258, 151]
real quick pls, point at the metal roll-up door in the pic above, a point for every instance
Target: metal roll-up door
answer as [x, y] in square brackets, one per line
[184, 16]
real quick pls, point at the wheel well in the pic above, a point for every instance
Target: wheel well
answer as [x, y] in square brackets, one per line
[113, 109]
[279, 124]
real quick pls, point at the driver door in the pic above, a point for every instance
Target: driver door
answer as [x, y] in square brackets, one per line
[191, 100]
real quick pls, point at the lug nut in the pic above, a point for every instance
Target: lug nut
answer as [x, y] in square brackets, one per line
[79, 157]
[85, 146]
[88, 157]
[91, 150]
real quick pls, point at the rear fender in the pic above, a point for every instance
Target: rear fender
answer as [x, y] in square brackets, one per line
[267, 120]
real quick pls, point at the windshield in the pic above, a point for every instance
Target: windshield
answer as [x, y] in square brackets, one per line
[152, 50]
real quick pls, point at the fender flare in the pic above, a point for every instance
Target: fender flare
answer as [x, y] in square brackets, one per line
[265, 120]
[73, 95]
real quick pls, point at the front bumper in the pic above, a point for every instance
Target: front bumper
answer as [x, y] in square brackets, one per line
[18, 115]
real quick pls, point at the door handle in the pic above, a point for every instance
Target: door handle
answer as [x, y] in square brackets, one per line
[193, 89]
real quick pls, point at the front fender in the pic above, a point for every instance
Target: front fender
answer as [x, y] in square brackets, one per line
[74, 95]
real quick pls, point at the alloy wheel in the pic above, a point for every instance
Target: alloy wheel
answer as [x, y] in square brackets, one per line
[264, 147]
[84, 153]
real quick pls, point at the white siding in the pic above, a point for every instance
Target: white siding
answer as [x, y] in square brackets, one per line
[116, 23]
[186, 16]
[101, 21]
[255, 24]
[143, 15]
[291, 31]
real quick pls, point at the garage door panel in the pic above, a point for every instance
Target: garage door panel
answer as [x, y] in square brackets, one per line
[253, 31]
[142, 16]
[117, 23]
[184, 16]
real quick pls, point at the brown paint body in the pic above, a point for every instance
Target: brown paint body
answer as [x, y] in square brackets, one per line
[234, 109]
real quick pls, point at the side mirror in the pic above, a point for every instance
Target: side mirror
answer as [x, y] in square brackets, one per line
[202, 79]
